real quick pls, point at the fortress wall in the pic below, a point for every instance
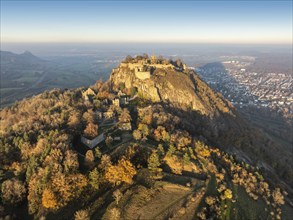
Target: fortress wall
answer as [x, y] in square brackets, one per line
[132, 66]
[143, 75]
[162, 65]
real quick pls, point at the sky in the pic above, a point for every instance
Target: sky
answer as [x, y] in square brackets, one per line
[267, 22]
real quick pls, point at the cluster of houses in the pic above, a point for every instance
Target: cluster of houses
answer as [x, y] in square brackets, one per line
[120, 100]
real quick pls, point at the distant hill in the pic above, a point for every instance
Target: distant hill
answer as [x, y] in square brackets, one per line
[19, 72]
[25, 60]
[24, 75]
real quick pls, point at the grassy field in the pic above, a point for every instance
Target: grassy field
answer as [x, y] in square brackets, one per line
[244, 207]
[140, 202]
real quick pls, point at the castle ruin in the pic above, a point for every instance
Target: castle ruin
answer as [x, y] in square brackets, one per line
[144, 68]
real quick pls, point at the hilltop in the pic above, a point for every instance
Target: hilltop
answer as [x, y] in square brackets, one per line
[131, 147]
[170, 82]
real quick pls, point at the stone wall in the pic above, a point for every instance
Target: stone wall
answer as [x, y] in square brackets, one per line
[133, 66]
[143, 75]
[162, 66]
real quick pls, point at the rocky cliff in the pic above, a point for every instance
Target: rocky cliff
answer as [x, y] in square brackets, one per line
[179, 86]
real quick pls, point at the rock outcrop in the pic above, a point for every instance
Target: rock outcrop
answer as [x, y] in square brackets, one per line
[173, 84]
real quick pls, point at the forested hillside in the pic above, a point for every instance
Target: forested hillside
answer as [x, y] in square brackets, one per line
[149, 160]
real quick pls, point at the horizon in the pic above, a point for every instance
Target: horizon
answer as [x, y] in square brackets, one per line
[63, 49]
[169, 22]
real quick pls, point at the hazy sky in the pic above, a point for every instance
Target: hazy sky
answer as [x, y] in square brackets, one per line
[147, 21]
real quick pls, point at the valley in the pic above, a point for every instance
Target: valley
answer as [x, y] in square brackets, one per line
[25, 75]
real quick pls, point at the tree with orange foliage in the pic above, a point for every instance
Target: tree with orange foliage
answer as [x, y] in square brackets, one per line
[89, 159]
[13, 191]
[125, 116]
[49, 199]
[68, 187]
[136, 134]
[89, 116]
[147, 119]
[70, 161]
[181, 139]
[161, 134]
[204, 152]
[278, 197]
[91, 130]
[144, 129]
[74, 121]
[103, 95]
[122, 172]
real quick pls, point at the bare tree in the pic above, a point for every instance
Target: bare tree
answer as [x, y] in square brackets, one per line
[117, 195]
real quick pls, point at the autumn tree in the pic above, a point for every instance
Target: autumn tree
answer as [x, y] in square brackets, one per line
[278, 197]
[49, 200]
[105, 162]
[186, 159]
[144, 129]
[70, 161]
[103, 94]
[122, 172]
[82, 215]
[147, 119]
[68, 187]
[161, 134]
[136, 135]
[89, 158]
[125, 116]
[40, 147]
[181, 139]
[154, 164]
[89, 116]
[161, 151]
[94, 178]
[37, 183]
[227, 194]
[13, 191]
[115, 214]
[74, 121]
[98, 153]
[171, 150]
[91, 130]
[153, 161]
